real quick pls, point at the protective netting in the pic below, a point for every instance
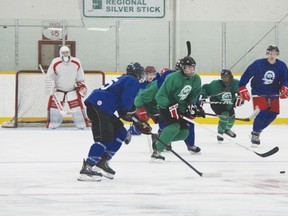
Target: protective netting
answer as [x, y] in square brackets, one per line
[31, 101]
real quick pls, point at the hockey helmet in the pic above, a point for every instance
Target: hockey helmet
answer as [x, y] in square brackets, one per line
[272, 48]
[188, 65]
[226, 76]
[150, 70]
[178, 64]
[136, 70]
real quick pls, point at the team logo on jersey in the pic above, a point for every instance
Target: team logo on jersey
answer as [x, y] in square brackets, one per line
[269, 77]
[99, 102]
[185, 92]
[227, 98]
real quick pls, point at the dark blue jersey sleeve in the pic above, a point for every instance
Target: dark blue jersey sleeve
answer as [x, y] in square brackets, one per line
[119, 94]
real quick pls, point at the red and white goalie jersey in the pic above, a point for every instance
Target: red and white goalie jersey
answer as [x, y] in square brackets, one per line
[66, 74]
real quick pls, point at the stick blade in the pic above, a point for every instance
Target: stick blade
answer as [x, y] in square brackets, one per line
[212, 175]
[188, 44]
[269, 153]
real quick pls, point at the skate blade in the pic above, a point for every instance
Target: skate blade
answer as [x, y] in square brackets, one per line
[84, 177]
[155, 160]
[103, 172]
[254, 145]
[107, 175]
[195, 153]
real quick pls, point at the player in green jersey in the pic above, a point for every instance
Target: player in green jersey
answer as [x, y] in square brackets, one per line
[223, 99]
[179, 91]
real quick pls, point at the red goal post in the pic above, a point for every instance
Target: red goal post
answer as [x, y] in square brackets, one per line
[31, 101]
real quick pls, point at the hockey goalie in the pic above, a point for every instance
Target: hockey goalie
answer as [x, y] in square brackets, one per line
[65, 84]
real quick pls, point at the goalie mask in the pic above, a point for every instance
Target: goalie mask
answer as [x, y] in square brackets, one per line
[188, 66]
[226, 77]
[136, 70]
[65, 54]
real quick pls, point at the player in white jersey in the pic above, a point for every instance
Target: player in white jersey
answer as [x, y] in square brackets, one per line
[67, 76]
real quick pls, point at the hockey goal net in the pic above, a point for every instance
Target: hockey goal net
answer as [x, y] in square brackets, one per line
[31, 101]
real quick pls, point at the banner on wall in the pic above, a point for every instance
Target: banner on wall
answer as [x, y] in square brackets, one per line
[124, 8]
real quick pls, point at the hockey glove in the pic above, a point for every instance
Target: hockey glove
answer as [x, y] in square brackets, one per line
[196, 111]
[81, 88]
[173, 111]
[142, 114]
[143, 127]
[127, 115]
[244, 94]
[284, 92]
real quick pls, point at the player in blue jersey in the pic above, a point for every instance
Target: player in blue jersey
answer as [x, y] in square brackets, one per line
[150, 75]
[108, 130]
[268, 79]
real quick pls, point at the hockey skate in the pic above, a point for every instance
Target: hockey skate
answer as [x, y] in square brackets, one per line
[255, 139]
[155, 137]
[103, 167]
[220, 138]
[88, 174]
[230, 133]
[193, 149]
[157, 157]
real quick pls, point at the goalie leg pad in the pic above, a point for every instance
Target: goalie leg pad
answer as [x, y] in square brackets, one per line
[55, 118]
[77, 108]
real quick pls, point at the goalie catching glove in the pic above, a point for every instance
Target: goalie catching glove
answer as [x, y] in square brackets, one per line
[49, 86]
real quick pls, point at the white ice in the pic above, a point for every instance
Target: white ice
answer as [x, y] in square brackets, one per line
[39, 170]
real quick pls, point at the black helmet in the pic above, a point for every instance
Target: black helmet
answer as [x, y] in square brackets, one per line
[187, 61]
[178, 64]
[226, 73]
[272, 48]
[136, 70]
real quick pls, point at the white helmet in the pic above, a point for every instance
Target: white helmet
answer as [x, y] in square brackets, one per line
[65, 53]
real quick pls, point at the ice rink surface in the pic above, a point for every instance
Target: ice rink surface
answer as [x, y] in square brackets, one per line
[39, 170]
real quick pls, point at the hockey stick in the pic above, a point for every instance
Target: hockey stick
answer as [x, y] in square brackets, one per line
[136, 121]
[55, 97]
[253, 115]
[188, 44]
[272, 95]
[215, 102]
[266, 154]
[207, 175]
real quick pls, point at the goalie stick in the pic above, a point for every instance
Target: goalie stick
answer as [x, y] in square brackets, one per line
[136, 121]
[266, 154]
[55, 97]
